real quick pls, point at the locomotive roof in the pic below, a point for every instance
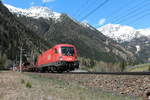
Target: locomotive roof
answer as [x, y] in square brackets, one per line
[64, 45]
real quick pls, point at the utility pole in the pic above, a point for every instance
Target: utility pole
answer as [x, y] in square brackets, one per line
[20, 65]
[13, 65]
[21, 53]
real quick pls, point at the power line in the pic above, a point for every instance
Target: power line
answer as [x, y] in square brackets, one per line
[82, 5]
[87, 5]
[95, 9]
[132, 13]
[130, 10]
[119, 9]
[142, 16]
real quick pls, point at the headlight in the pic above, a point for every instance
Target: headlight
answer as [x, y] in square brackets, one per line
[60, 58]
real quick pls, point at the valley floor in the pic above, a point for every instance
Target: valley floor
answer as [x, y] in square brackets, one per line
[29, 86]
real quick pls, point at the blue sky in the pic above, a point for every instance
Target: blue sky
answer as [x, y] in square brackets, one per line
[135, 13]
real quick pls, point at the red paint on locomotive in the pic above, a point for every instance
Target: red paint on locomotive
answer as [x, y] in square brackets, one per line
[62, 57]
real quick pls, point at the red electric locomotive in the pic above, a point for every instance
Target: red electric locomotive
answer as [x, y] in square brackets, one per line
[62, 57]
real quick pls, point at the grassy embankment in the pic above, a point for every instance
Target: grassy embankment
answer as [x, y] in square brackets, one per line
[139, 68]
[101, 66]
[16, 86]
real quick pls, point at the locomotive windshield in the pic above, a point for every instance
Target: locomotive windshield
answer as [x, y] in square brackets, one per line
[68, 51]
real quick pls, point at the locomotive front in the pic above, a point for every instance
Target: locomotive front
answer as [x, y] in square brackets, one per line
[68, 57]
[62, 57]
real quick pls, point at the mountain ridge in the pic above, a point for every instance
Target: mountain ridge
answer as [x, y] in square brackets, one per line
[35, 12]
[14, 36]
[89, 41]
[123, 33]
[136, 41]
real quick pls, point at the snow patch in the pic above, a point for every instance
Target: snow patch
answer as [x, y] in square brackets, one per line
[122, 33]
[35, 12]
[86, 25]
[137, 48]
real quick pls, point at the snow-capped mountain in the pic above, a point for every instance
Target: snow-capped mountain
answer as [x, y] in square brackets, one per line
[136, 41]
[44, 12]
[85, 24]
[133, 43]
[35, 12]
[122, 33]
[70, 31]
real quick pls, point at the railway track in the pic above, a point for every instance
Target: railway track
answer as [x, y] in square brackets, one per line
[110, 73]
[104, 73]
[128, 83]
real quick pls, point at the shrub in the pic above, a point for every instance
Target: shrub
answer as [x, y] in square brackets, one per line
[28, 85]
[22, 81]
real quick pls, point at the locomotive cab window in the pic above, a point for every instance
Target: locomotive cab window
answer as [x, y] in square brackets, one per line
[67, 51]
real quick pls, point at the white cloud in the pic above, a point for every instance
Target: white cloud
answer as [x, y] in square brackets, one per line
[84, 21]
[46, 1]
[101, 21]
[32, 3]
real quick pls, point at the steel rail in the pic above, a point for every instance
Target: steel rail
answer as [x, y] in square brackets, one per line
[109, 73]
[97, 73]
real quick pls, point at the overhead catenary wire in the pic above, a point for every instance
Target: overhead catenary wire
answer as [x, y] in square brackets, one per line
[82, 6]
[95, 9]
[136, 10]
[141, 17]
[121, 8]
[85, 7]
[133, 13]
[132, 16]
[130, 11]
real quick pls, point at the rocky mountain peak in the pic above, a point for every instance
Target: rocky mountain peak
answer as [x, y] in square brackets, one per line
[35, 12]
[122, 33]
